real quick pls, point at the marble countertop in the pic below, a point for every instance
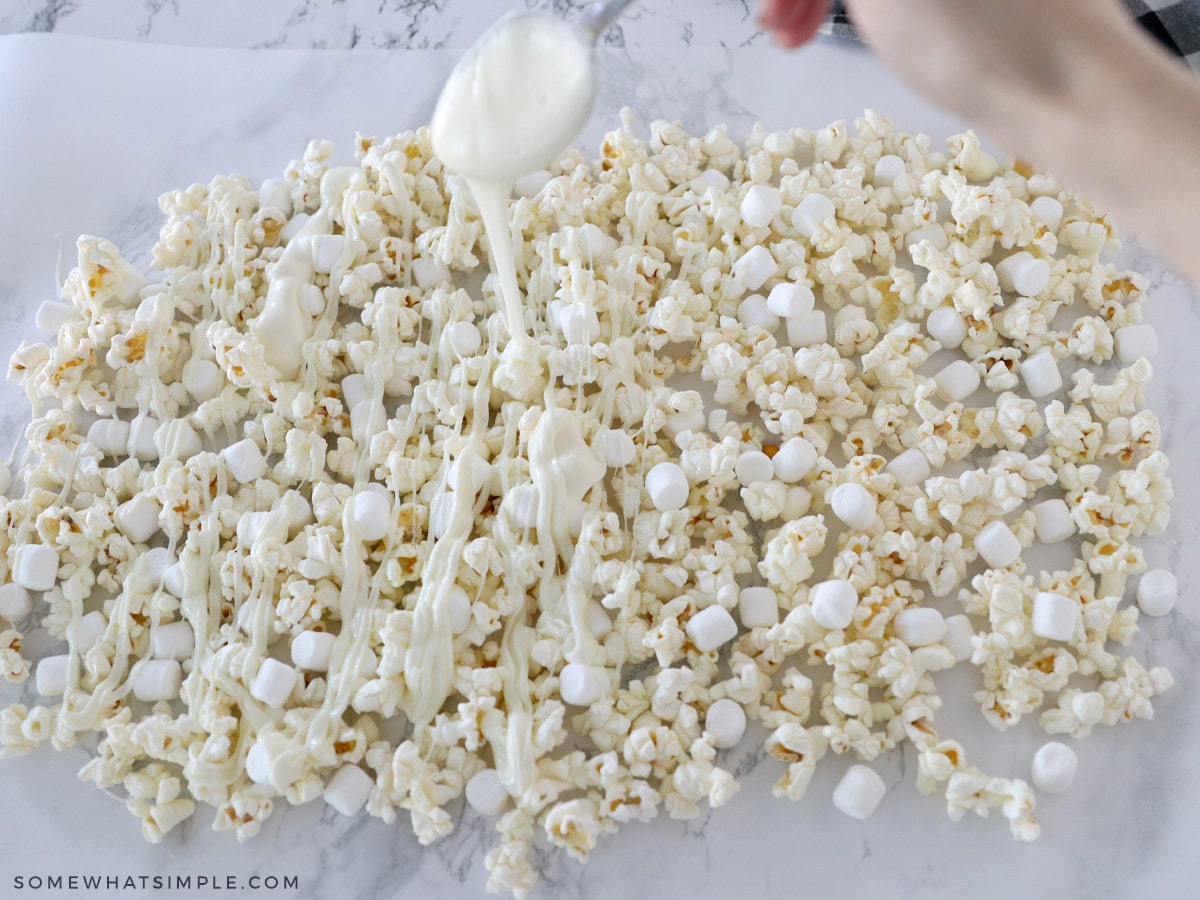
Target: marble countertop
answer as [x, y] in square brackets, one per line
[1126, 828]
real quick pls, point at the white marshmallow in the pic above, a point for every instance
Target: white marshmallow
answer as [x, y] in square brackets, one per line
[1135, 341]
[174, 640]
[854, 505]
[273, 683]
[138, 518]
[354, 390]
[1156, 592]
[312, 650]
[1041, 375]
[275, 193]
[710, 628]
[833, 603]
[258, 764]
[202, 379]
[788, 299]
[293, 227]
[754, 267]
[244, 461]
[1023, 274]
[752, 466]
[177, 440]
[859, 793]
[173, 579]
[909, 468]
[932, 232]
[1052, 521]
[1053, 767]
[725, 721]
[109, 436]
[888, 169]
[957, 381]
[367, 419]
[87, 630]
[997, 544]
[753, 312]
[51, 316]
[531, 185]
[311, 299]
[812, 212]
[1055, 617]
[372, 515]
[1048, 211]
[464, 337]
[678, 423]
[15, 602]
[760, 205]
[486, 794]
[458, 609]
[959, 632]
[920, 626]
[522, 500]
[327, 249]
[579, 323]
[348, 789]
[157, 679]
[617, 447]
[795, 458]
[667, 486]
[947, 326]
[298, 510]
[50, 677]
[141, 437]
[807, 329]
[598, 621]
[581, 685]
[35, 567]
[429, 273]
[758, 607]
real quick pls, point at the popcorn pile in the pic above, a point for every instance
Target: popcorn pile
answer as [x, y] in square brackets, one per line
[308, 521]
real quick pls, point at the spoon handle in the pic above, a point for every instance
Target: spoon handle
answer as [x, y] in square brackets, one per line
[599, 15]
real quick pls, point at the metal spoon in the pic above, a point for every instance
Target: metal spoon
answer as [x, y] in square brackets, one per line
[597, 17]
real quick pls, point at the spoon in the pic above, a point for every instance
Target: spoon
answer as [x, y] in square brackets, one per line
[597, 17]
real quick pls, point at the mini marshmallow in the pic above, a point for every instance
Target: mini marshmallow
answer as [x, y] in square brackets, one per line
[458, 609]
[725, 722]
[807, 329]
[599, 623]
[141, 437]
[1052, 521]
[997, 544]
[959, 632]
[859, 793]
[581, 685]
[947, 326]
[617, 447]
[312, 650]
[354, 390]
[258, 764]
[932, 232]
[812, 212]
[758, 607]
[275, 193]
[957, 381]
[1156, 592]
[752, 312]
[1055, 617]
[371, 514]
[579, 323]
[752, 466]
[429, 273]
[244, 461]
[327, 249]
[366, 419]
[486, 794]
[293, 227]
[531, 185]
[174, 640]
[35, 567]
[678, 423]
[711, 627]
[109, 436]
[920, 626]
[311, 299]
[795, 458]
[1041, 375]
[833, 603]
[1023, 274]
[754, 267]
[888, 169]
[51, 316]
[464, 337]
[667, 486]
[157, 679]
[760, 205]
[202, 379]
[273, 683]
[138, 518]
[177, 440]
[1048, 211]
[522, 500]
[15, 603]
[89, 628]
[348, 789]
[854, 505]
[788, 299]
[1053, 767]
[50, 677]
[1135, 341]
[909, 468]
